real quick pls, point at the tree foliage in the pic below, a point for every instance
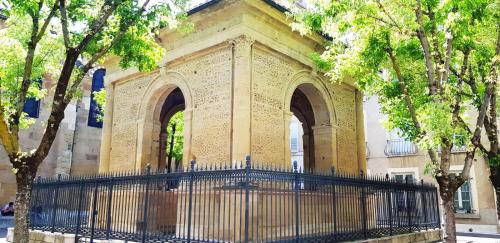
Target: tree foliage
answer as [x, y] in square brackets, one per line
[176, 120]
[62, 40]
[433, 65]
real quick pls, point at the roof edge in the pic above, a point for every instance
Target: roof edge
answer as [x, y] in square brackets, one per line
[271, 3]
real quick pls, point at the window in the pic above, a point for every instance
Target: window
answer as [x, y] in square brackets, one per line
[32, 105]
[94, 111]
[294, 144]
[463, 201]
[404, 200]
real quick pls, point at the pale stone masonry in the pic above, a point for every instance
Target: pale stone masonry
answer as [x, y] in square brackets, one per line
[241, 72]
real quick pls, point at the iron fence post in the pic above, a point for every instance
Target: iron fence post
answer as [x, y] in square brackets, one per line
[190, 204]
[146, 202]
[108, 211]
[94, 212]
[297, 213]
[77, 231]
[54, 205]
[363, 208]
[424, 203]
[389, 203]
[247, 195]
[436, 194]
[33, 203]
[408, 208]
[334, 206]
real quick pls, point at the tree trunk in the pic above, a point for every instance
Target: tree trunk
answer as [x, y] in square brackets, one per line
[497, 196]
[24, 179]
[450, 229]
[495, 180]
[171, 152]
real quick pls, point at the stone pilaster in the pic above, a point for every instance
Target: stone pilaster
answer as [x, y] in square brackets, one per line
[360, 132]
[241, 97]
[188, 126]
[287, 117]
[325, 154]
[107, 129]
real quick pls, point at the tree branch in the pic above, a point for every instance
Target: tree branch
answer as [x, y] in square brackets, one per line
[493, 128]
[106, 11]
[36, 35]
[476, 137]
[9, 141]
[424, 42]
[394, 23]
[398, 28]
[90, 65]
[458, 96]
[99, 54]
[47, 22]
[61, 96]
[443, 77]
[403, 88]
[64, 23]
[58, 104]
[438, 59]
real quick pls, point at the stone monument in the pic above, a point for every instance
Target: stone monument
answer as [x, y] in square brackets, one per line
[238, 77]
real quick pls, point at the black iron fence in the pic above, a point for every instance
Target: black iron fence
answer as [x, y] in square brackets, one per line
[234, 203]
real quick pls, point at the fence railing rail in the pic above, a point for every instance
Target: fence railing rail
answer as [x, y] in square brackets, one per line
[235, 203]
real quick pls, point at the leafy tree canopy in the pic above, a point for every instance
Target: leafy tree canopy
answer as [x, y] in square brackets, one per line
[364, 32]
[431, 63]
[61, 41]
[90, 30]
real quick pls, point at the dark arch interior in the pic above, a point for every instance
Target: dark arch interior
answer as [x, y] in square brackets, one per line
[301, 107]
[173, 103]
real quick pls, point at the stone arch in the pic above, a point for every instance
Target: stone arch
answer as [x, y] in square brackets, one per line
[150, 116]
[307, 97]
[304, 77]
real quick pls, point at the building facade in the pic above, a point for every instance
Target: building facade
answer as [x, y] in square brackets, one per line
[239, 77]
[388, 153]
[76, 147]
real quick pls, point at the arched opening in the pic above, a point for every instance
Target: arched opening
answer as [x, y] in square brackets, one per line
[296, 142]
[162, 98]
[304, 114]
[310, 126]
[171, 138]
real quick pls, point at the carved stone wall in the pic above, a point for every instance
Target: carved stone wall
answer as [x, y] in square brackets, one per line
[124, 136]
[209, 79]
[345, 104]
[270, 74]
[240, 67]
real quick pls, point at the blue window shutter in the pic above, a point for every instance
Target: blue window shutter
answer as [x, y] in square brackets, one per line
[32, 105]
[97, 85]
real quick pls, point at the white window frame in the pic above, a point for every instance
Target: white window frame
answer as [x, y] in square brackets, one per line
[404, 171]
[457, 169]
[460, 201]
